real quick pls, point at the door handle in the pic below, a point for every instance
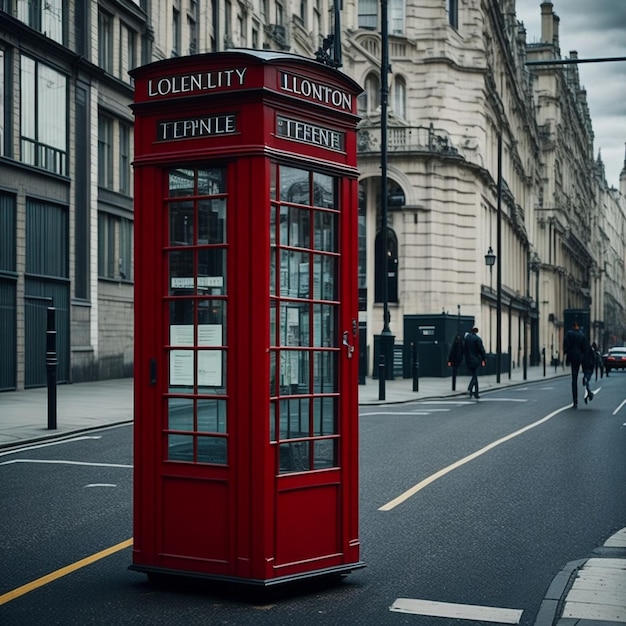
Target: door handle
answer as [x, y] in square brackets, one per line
[346, 343]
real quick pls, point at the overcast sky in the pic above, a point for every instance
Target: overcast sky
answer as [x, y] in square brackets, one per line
[595, 29]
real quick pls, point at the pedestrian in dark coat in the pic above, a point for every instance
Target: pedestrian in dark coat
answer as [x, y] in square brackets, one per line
[574, 346]
[475, 356]
[455, 356]
[588, 364]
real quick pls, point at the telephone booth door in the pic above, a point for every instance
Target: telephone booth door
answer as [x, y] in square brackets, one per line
[245, 370]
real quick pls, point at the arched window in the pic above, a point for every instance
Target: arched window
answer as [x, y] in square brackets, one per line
[386, 266]
[399, 97]
[369, 100]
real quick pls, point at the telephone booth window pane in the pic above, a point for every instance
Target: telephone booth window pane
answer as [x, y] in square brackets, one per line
[324, 190]
[296, 230]
[211, 368]
[181, 312]
[181, 224]
[212, 271]
[324, 332]
[324, 374]
[212, 450]
[213, 311]
[295, 324]
[212, 221]
[324, 272]
[181, 272]
[295, 185]
[180, 414]
[211, 181]
[294, 274]
[181, 183]
[325, 453]
[294, 372]
[324, 227]
[294, 457]
[180, 447]
[324, 416]
[272, 420]
[294, 418]
[212, 416]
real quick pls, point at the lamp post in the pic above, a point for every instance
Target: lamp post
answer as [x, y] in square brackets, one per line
[490, 261]
[386, 339]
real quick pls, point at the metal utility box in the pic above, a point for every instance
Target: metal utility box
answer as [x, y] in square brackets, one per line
[433, 335]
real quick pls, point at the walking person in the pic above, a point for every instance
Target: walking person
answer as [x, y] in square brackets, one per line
[588, 365]
[574, 349]
[598, 359]
[475, 356]
[455, 358]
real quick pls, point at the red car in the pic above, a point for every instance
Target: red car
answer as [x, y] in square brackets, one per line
[615, 359]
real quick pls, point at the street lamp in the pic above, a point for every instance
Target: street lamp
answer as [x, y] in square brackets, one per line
[490, 261]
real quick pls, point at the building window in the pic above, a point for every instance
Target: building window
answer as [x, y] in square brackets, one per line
[368, 14]
[45, 16]
[124, 159]
[396, 17]
[175, 32]
[105, 152]
[386, 266]
[280, 14]
[369, 100]
[115, 235]
[242, 24]
[192, 30]
[304, 11]
[452, 9]
[3, 124]
[128, 51]
[105, 42]
[228, 16]
[399, 97]
[43, 110]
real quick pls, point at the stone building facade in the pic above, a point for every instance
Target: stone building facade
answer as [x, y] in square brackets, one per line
[485, 153]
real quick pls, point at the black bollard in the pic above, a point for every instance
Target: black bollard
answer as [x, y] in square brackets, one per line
[415, 368]
[381, 377]
[543, 354]
[51, 368]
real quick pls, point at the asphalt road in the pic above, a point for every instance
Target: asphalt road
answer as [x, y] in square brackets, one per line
[462, 502]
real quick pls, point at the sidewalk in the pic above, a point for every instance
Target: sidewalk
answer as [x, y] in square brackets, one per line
[82, 406]
[588, 592]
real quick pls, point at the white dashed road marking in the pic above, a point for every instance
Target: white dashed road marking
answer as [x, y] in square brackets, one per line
[457, 611]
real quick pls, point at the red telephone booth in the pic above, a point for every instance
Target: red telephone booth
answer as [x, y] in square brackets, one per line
[246, 398]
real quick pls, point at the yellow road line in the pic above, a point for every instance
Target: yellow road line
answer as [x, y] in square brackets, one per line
[64, 571]
[446, 470]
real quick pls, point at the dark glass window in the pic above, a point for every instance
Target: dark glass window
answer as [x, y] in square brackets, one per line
[43, 137]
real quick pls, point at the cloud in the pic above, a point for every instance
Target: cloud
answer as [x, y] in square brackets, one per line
[594, 30]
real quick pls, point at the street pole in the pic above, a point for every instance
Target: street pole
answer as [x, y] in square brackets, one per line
[386, 337]
[499, 266]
